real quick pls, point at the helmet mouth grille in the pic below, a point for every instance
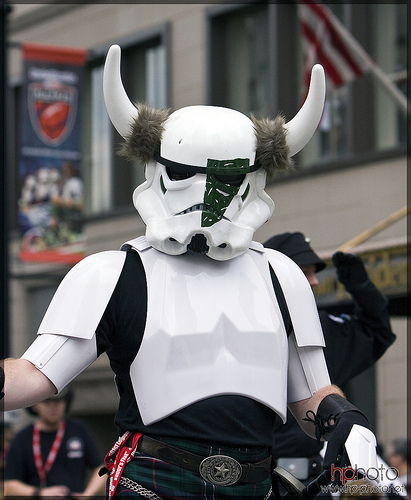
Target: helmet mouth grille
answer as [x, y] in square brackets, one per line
[198, 245]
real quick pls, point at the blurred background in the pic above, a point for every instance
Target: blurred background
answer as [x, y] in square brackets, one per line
[253, 57]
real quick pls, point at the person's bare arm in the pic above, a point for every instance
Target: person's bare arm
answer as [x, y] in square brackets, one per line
[24, 384]
[15, 488]
[96, 485]
[332, 418]
[299, 409]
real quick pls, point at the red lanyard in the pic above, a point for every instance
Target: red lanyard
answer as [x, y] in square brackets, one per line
[117, 458]
[43, 470]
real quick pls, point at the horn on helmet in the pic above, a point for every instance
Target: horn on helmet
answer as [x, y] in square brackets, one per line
[121, 110]
[302, 127]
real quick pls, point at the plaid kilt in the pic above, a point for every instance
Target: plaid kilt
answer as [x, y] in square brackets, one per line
[170, 482]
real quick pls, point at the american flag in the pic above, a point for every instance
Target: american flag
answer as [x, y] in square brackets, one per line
[329, 43]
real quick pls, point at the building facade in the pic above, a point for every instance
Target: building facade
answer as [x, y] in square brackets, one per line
[249, 57]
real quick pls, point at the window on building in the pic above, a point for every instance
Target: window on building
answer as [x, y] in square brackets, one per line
[240, 60]
[390, 42]
[256, 58]
[332, 139]
[110, 179]
[362, 117]
[39, 300]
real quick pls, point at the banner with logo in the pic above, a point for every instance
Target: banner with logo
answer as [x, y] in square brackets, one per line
[51, 202]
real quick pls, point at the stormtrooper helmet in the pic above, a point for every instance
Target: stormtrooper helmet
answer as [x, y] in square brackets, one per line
[206, 166]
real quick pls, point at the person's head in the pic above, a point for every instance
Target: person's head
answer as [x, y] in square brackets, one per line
[67, 169]
[54, 409]
[206, 166]
[297, 247]
[399, 454]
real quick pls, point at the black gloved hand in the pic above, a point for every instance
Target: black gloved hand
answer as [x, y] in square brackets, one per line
[350, 269]
[336, 453]
[334, 420]
[352, 274]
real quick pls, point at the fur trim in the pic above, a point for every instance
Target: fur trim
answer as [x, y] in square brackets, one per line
[145, 137]
[272, 149]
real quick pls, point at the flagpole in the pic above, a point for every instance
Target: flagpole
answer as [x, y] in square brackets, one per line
[365, 235]
[377, 72]
[391, 88]
[4, 11]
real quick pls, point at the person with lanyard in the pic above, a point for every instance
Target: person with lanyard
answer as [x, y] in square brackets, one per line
[189, 313]
[53, 456]
[353, 342]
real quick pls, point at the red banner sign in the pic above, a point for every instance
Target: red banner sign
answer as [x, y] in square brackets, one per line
[51, 202]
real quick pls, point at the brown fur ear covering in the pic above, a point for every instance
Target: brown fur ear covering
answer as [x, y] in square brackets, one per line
[272, 149]
[145, 137]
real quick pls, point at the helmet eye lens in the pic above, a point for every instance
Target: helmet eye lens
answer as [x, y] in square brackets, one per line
[175, 175]
[232, 180]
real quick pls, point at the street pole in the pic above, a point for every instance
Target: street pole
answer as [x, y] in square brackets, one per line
[4, 10]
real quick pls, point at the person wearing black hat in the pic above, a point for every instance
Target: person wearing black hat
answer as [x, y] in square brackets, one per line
[52, 456]
[353, 342]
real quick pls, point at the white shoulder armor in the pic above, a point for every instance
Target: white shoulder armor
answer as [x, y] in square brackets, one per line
[82, 296]
[307, 369]
[300, 299]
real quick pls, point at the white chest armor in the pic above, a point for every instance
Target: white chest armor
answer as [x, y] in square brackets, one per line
[212, 328]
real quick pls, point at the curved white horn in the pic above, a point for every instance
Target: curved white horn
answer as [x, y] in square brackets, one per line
[302, 127]
[120, 109]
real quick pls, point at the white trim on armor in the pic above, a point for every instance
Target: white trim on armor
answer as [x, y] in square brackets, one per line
[61, 358]
[307, 371]
[139, 243]
[360, 445]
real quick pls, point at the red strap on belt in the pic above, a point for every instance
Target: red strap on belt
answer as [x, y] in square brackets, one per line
[117, 458]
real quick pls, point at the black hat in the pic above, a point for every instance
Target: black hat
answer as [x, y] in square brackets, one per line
[297, 247]
[66, 394]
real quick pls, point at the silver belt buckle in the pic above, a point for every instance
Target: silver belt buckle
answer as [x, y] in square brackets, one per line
[220, 470]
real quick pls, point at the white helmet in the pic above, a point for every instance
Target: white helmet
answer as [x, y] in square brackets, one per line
[206, 166]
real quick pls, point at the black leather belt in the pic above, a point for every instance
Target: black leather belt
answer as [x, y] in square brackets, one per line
[216, 469]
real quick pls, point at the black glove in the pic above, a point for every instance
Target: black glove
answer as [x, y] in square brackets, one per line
[334, 420]
[336, 453]
[350, 269]
[352, 274]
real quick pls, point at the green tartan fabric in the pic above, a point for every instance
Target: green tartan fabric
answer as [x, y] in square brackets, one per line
[170, 482]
